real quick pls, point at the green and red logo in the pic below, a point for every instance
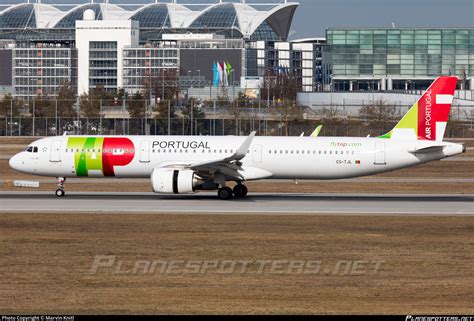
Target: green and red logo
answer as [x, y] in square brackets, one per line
[100, 154]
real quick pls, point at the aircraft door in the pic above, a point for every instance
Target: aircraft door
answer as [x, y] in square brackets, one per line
[55, 153]
[380, 154]
[257, 153]
[145, 152]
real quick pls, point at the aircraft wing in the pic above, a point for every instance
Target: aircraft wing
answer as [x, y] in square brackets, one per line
[229, 166]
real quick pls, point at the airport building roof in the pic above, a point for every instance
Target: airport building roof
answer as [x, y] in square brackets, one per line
[247, 20]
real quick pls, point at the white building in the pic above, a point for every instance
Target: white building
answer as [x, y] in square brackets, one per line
[100, 45]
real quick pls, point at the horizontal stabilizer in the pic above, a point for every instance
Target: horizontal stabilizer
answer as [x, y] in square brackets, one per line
[426, 150]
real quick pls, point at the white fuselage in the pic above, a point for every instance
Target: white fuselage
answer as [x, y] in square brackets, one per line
[281, 157]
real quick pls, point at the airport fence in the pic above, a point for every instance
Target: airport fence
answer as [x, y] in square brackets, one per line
[44, 126]
[226, 118]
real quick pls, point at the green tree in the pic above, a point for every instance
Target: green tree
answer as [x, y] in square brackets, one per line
[162, 110]
[197, 113]
[66, 99]
[42, 106]
[90, 103]
[136, 106]
[10, 106]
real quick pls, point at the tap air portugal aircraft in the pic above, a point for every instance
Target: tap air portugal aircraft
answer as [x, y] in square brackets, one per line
[186, 164]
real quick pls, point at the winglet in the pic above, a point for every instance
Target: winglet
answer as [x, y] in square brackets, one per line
[316, 131]
[242, 151]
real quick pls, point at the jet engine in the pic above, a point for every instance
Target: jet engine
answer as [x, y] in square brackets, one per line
[174, 181]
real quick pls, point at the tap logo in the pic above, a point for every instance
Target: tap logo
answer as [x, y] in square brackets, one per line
[100, 154]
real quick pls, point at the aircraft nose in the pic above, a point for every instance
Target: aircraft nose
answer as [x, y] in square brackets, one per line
[15, 162]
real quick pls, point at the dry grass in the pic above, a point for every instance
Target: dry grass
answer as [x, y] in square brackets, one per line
[46, 261]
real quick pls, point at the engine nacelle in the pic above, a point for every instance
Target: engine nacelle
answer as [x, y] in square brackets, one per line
[174, 181]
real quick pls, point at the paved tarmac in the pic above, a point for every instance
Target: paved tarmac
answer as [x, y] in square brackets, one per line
[256, 203]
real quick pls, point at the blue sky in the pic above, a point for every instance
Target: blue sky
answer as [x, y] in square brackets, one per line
[313, 17]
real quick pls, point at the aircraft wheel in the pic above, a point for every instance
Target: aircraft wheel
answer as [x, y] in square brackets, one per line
[60, 192]
[240, 191]
[224, 193]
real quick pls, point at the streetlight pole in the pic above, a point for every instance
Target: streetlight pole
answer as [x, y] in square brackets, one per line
[162, 84]
[192, 118]
[11, 117]
[34, 113]
[232, 71]
[56, 114]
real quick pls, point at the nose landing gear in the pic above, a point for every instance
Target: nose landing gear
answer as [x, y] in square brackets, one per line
[60, 191]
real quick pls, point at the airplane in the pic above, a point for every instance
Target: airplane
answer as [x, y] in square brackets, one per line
[188, 164]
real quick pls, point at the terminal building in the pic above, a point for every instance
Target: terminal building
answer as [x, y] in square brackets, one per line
[148, 47]
[117, 47]
[399, 58]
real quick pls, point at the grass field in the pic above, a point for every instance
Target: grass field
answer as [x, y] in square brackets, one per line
[426, 264]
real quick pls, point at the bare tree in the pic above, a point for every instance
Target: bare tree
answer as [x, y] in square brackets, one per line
[380, 115]
[288, 112]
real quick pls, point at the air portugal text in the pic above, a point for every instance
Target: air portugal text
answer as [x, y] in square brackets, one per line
[178, 144]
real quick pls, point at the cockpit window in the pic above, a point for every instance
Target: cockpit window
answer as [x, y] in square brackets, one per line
[31, 149]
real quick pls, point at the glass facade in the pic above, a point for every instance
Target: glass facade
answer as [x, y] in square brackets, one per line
[401, 53]
[143, 67]
[222, 16]
[42, 71]
[103, 65]
[155, 16]
[69, 21]
[40, 22]
[19, 17]
[265, 32]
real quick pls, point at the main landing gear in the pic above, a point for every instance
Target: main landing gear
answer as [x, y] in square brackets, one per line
[239, 192]
[60, 191]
